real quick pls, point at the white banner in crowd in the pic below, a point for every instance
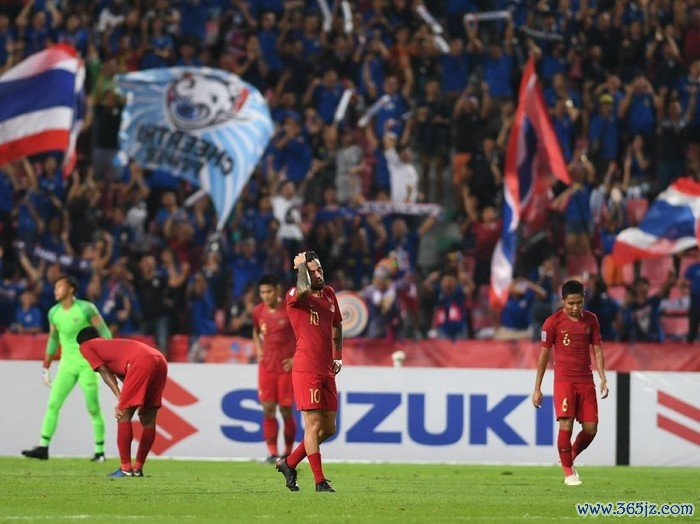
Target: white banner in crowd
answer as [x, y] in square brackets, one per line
[665, 419]
[386, 414]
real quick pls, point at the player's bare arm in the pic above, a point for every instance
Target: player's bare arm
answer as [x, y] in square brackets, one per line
[303, 279]
[257, 343]
[110, 379]
[541, 368]
[600, 365]
[337, 348]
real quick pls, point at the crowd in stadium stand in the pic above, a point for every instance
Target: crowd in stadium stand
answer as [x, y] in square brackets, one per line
[620, 79]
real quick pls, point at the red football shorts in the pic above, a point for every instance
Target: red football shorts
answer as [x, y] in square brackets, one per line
[275, 387]
[576, 400]
[144, 383]
[312, 391]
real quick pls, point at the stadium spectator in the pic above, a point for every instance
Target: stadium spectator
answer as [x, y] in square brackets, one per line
[692, 277]
[382, 303]
[621, 81]
[515, 316]
[641, 313]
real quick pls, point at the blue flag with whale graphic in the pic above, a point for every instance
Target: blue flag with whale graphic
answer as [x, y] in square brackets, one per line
[203, 125]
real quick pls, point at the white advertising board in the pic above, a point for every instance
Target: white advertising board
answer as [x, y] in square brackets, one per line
[386, 414]
[665, 419]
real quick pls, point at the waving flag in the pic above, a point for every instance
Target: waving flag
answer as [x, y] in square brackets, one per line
[671, 225]
[203, 125]
[37, 99]
[532, 157]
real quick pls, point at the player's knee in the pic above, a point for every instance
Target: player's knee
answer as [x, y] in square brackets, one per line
[591, 430]
[269, 411]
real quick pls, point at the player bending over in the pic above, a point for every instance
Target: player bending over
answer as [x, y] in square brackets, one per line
[66, 318]
[315, 316]
[571, 331]
[273, 337]
[143, 372]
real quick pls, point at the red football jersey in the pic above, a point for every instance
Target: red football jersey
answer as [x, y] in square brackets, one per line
[313, 318]
[572, 340]
[117, 353]
[276, 334]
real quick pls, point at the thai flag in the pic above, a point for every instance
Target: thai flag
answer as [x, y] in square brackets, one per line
[37, 99]
[79, 110]
[533, 155]
[671, 225]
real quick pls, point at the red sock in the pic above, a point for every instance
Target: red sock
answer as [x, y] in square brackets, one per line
[147, 438]
[270, 429]
[564, 446]
[296, 456]
[583, 440]
[125, 434]
[290, 430]
[315, 463]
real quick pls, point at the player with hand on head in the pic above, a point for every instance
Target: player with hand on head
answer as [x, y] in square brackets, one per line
[316, 319]
[66, 318]
[143, 371]
[273, 337]
[572, 331]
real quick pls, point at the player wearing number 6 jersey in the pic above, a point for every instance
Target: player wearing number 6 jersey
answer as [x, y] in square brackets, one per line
[315, 317]
[572, 331]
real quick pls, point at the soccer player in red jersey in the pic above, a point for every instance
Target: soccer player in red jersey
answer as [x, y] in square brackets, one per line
[572, 331]
[315, 316]
[274, 344]
[143, 372]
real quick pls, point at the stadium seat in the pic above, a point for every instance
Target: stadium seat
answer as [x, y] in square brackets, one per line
[580, 264]
[636, 209]
[178, 348]
[675, 327]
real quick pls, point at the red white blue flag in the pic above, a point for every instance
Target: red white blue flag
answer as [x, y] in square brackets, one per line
[532, 157]
[671, 225]
[37, 103]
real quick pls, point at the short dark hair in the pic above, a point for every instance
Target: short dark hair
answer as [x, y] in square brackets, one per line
[269, 280]
[87, 333]
[72, 282]
[311, 255]
[571, 287]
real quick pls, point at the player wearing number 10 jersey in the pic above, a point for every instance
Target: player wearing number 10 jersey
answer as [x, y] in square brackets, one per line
[572, 331]
[315, 317]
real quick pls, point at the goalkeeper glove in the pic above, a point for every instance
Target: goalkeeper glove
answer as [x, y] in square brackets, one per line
[46, 376]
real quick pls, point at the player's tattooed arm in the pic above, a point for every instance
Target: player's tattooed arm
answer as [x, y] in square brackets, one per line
[303, 279]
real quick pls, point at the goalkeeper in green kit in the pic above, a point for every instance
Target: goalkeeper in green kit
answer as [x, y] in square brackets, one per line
[66, 318]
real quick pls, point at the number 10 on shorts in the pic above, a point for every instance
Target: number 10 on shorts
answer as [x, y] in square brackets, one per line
[315, 395]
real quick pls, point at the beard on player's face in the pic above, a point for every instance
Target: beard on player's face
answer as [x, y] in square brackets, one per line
[315, 275]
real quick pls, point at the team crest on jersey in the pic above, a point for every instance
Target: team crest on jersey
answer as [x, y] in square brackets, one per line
[332, 308]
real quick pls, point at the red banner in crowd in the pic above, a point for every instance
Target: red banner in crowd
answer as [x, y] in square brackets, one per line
[427, 353]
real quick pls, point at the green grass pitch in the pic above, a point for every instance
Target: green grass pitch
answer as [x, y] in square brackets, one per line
[70, 490]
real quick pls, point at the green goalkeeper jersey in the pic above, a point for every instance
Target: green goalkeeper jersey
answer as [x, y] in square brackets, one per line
[68, 322]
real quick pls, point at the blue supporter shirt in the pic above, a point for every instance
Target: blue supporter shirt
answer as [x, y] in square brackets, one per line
[268, 46]
[29, 318]
[640, 115]
[551, 65]
[498, 74]
[327, 101]
[193, 18]
[565, 133]
[692, 274]
[245, 271]
[516, 313]
[7, 192]
[605, 133]
[202, 311]
[455, 72]
[296, 159]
